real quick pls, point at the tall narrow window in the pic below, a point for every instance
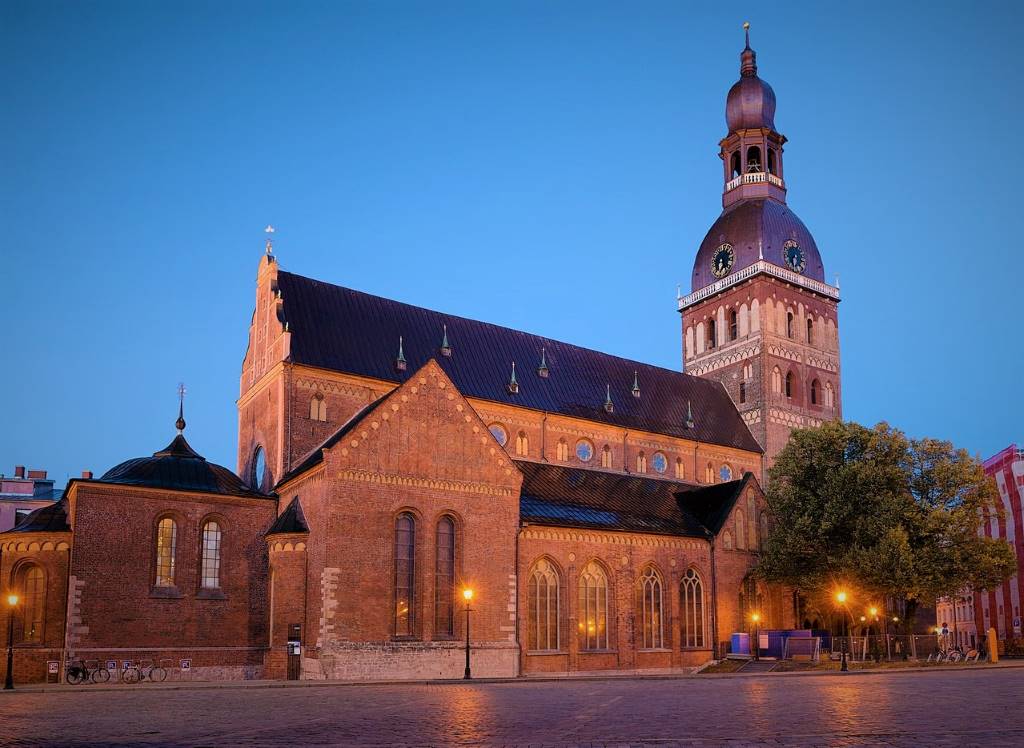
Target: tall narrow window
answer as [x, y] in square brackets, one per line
[543, 626]
[712, 336]
[166, 543]
[444, 579]
[743, 392]
[691, 605]
[753, 159]
[741, 530]
[562, 450]
[641, 463]
[522, 444]
[810, 331]
[34, 589]
[405, 557]
[593, 612]
[709, 473]
[789, 324]
[814, 392]
[318, 407]
[789, 384]
[776, 380]
[680, 473]
[830, 395]
[649, 610]
[771, 160]
[210, 571]
[733, 325]
[606, 456]
[734, 162]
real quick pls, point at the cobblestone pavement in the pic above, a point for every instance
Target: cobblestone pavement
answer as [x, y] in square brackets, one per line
[979, 707]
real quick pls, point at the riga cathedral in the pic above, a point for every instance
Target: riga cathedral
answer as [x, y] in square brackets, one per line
[605, 513]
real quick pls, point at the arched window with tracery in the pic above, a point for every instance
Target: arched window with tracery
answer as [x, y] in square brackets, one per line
[680, 470]
[543, 627]
[776, 380]
[562, 450]
[522, 444]
[318, 407]
[444, 578]
[166, 547]
[741, 530]
[691, 608]
[641, 463]
[209, 567]
[606, 456]
[405, 569]
[830, 395]
[33, 589]
[652, 634]
[709, 473]
[593, 610]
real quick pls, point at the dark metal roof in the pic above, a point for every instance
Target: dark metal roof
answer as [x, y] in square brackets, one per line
[51, 518]
[575, 497]
[49, 494]
[290, 520]
[178, 467]
[756, 227]
[344, 330]
[711, 505]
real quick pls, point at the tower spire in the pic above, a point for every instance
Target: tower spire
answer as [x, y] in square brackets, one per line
[748, 57]
[269, 231]
[180, 423]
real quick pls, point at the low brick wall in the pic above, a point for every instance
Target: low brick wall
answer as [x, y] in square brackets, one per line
[412, 661]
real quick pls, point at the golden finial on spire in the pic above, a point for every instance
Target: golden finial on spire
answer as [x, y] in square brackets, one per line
[746, 25]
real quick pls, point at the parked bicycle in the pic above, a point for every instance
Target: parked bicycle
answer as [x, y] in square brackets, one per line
[145, 669]
[81, 671]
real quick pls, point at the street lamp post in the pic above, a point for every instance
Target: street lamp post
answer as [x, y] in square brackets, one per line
[467, 595]
[756, 618]
[841, 599]
[12, 600]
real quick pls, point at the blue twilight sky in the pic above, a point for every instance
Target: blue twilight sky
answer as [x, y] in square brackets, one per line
[550, 166]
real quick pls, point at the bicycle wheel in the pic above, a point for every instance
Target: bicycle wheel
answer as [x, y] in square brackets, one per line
[75, 675]
[158, 674]
[100, 675]
[131, 675]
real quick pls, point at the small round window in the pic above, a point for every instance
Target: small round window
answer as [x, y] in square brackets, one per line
[725, 473]
[584, 450]
[658, 462]
[499, 433]
[259, 469]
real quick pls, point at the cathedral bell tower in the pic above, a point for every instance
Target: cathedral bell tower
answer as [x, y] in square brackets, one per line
[760, 317]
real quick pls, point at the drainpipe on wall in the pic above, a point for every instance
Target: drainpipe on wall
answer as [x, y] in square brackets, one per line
[714, 597]
[625, 452]
[543, 437]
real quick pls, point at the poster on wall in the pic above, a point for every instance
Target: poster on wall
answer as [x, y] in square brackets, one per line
[186, 664]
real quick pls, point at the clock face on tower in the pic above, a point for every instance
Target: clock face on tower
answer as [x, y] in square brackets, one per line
[794, 256]
[722, 260]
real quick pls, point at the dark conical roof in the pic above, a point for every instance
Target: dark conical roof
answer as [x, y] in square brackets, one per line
[290, 520]
[178, 467]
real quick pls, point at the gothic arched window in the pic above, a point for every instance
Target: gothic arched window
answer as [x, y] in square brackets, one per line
[691, 607]
[789, 324]
[562, 450]
[733, 324]
[543, 626]
[830, 395]
[712, 334]
[444, 578]
[209, 568]
[789, 384]
[166, 545]
[405, 567]
[641, 463]
[776, 380]
[33, 586]
[709, 473]
[741, 530]
[606, 456]
[593, 611]
[522, 444]
[680, 472]
[810, 331]
[652, 635]
[318, 407]
[814, 392]
[743, 392]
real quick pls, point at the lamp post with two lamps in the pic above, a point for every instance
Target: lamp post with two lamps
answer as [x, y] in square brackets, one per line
[841, 599]
[467, 595]
[12, 602]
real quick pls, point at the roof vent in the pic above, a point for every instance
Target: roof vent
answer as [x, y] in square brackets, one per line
[689, 415]
[513, 385]
[608, 405]
[636, 385]
[400, 364]
[542, 370]
[446, 350]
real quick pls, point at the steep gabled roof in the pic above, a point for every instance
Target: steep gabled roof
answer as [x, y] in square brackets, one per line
[576, 497]
[711, 505]
[291, 520]
[349, 331]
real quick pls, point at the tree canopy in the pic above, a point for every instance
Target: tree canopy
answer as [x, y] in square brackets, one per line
[882, 514]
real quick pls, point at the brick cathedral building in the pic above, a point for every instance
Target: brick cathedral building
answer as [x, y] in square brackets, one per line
[605, 512]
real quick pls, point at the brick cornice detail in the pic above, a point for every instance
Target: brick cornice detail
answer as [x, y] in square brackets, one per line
[535, 532]
[366, 476]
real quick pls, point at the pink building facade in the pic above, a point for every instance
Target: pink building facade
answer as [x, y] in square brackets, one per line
[22, 493]
[1001, 608]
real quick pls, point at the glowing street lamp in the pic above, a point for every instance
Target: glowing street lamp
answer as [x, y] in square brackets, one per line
[841, 599]
[467, 595]
[12, 602]
[756, 618]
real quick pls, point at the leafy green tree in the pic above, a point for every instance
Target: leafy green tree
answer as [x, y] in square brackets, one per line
[880, 514]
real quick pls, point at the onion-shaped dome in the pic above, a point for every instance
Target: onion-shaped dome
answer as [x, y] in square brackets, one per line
[751, 101]
[178, 467]
[754, 229]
